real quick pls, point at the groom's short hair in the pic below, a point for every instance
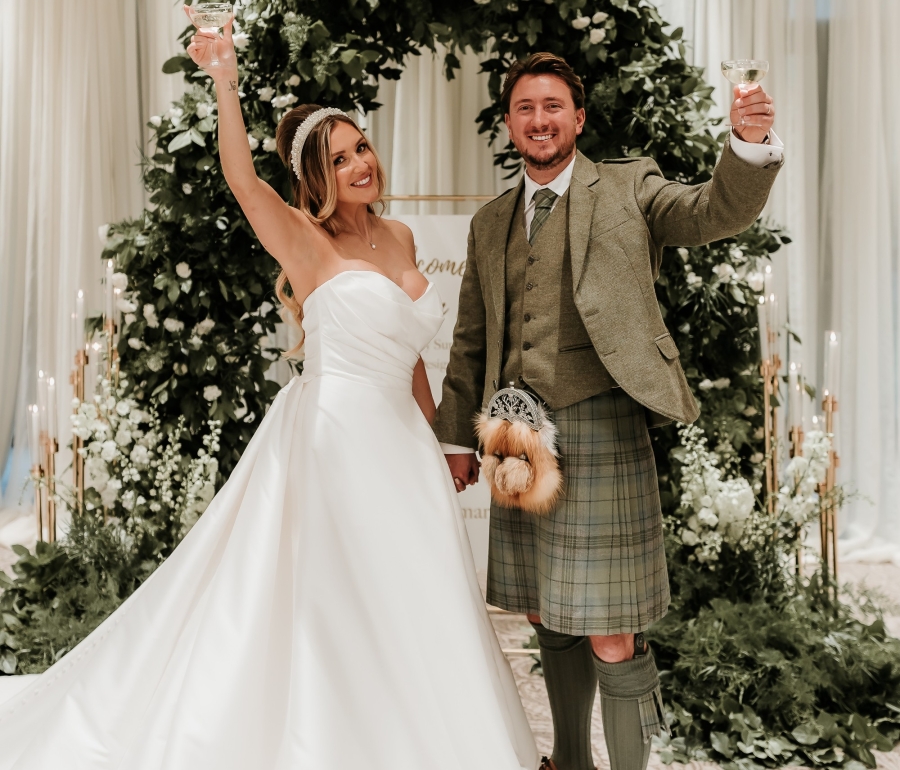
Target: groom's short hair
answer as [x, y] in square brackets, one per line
[542, 64]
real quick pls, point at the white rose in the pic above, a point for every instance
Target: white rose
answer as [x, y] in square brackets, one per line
[103, 233]
[173, 325]
[119, 281]
[269, 144]
[202, 111]
[599, 17]
[134, 343]
[706, 501]
[293, 80]
[689, 538]
[597, 36]
[126, 306]
[130, 318]
[266, 94]
[706, 385]
[183, 270]
[756, 281]
[204, 327]
[581, 22]
[252, 141]
[110, 450]
[684, 254]
[156, 121]
[707, 517]
[725, 272]
[123, 408]
[150, 316]
[187, 189]
[211, 392]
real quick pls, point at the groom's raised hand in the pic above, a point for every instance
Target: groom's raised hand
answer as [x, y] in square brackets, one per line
[755, 106]
[464, 469]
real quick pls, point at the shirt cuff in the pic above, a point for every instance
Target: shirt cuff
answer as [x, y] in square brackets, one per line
[757, 154]
[455, 449]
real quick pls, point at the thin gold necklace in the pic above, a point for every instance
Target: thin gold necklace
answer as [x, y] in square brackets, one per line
[367, 240]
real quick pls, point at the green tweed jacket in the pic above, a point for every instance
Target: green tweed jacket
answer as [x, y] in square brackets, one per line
[621, 215]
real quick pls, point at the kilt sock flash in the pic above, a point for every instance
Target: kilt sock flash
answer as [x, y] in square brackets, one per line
[631, 704]
[571, 686]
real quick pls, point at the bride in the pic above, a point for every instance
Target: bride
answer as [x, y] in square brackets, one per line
[324, 612]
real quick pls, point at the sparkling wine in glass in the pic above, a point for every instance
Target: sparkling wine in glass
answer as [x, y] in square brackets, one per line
[211, 17]
[743, 72]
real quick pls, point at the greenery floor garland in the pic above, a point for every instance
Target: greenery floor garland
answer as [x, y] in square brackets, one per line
[760, 668]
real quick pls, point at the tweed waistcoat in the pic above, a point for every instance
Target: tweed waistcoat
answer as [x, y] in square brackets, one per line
[546, 345]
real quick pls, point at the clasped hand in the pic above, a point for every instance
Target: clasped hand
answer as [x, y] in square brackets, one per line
[753, 105]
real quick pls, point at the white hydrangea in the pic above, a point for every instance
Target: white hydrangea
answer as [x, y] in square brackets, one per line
[283, 100]
[266, 94]
[269, 144]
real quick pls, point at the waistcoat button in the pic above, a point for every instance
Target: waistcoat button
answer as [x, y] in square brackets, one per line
[529, 286]
[526, 346]
[527, 317]
[530, 260]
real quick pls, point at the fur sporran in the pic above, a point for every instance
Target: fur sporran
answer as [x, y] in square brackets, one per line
[519, 456]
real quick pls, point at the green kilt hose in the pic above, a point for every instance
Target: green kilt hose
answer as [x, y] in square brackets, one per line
[596, 564]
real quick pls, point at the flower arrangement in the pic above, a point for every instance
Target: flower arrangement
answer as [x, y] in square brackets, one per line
[718, 506]
[135, 469]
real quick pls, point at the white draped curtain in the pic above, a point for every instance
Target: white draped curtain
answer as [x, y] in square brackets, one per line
[838, 198]
[79, 80]
[76, 84]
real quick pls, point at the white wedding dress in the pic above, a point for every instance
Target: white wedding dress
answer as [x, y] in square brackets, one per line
[323, 614]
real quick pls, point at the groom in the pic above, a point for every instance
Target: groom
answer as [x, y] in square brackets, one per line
[558, 298]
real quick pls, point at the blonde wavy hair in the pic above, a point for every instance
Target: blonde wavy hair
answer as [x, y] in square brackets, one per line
[315, 192]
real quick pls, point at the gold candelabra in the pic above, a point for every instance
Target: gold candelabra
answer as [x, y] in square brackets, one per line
[769, 370]
[829, 509]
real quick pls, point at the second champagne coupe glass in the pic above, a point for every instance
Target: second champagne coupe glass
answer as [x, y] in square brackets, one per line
[743, 72]
[211, 17]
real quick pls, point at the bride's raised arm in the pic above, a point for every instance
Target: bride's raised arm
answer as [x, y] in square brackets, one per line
[283, 231]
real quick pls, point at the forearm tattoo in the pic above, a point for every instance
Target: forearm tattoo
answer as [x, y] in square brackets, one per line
[232, 85]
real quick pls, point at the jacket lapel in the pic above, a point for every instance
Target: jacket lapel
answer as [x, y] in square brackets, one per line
[497, 241]
[582, 199]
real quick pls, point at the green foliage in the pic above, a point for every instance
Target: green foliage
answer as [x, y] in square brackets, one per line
[63, 591]
[789, 677]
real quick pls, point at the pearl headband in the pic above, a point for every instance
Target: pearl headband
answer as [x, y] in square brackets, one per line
[303, 131]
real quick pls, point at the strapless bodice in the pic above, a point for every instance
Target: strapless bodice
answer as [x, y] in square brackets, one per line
[362, 326]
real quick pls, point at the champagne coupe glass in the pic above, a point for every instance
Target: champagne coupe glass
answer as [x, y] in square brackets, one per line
[211, 17]
[743, 72]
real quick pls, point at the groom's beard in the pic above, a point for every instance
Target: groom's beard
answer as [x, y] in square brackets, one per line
[545, 163]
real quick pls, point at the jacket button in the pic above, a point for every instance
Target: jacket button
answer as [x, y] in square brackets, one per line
[529, 286]
[527, 317]
[526, 346]
[530, 260]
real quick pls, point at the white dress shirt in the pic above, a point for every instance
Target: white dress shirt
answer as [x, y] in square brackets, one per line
[755, 154]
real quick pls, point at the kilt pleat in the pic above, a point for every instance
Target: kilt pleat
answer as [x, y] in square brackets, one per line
[596, 563]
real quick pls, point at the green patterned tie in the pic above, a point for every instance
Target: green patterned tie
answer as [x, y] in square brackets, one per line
[543, 200]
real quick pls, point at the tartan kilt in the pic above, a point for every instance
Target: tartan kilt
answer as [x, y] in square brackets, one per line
[596, 564]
